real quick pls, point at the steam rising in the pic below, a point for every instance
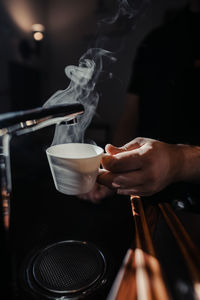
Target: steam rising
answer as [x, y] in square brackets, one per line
[82, 90]
[84, 78]
[125, 9]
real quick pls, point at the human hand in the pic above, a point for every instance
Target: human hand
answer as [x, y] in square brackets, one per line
[141, 167]
[98, 193]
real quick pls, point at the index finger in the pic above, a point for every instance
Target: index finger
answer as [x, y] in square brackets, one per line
[112, 150]
[122, 162]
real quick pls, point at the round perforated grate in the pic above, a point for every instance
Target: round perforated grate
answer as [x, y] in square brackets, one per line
[68, 267]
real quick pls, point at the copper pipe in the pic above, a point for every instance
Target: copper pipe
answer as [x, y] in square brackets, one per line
[190, 252]
[124, 286]
[140, 277]
[156, 286]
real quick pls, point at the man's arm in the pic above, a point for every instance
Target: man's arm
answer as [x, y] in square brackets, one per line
[146, 166]
[190, 166]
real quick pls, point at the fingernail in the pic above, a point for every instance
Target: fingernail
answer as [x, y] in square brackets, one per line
[105, 154]
[115, 185]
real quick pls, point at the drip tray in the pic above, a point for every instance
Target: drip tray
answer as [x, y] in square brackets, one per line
[72, 269]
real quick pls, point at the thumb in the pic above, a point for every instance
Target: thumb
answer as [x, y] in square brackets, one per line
[112, 150]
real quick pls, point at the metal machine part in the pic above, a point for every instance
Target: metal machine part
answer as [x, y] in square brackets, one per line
[65, 270]
[19, 123]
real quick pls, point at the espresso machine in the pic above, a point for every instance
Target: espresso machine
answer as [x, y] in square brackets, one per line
[64, 269]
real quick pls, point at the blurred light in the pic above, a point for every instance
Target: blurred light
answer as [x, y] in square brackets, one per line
[38, 27]
[38, 31]
[21, 13]
[38, 36]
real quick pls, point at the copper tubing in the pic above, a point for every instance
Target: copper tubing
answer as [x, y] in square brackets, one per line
[124, 286]
[140, 277]
[152, 271]
[189, 251]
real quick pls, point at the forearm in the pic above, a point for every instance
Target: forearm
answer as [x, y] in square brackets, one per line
[187, 159]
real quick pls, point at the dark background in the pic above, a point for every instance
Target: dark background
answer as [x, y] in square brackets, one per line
[29, 74]
[29, 78]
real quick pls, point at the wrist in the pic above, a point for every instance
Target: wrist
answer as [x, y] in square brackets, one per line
[187, 163]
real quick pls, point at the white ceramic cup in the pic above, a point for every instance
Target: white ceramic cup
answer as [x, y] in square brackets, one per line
[74, 167]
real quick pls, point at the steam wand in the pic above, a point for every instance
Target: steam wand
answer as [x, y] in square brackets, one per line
[15, 124]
